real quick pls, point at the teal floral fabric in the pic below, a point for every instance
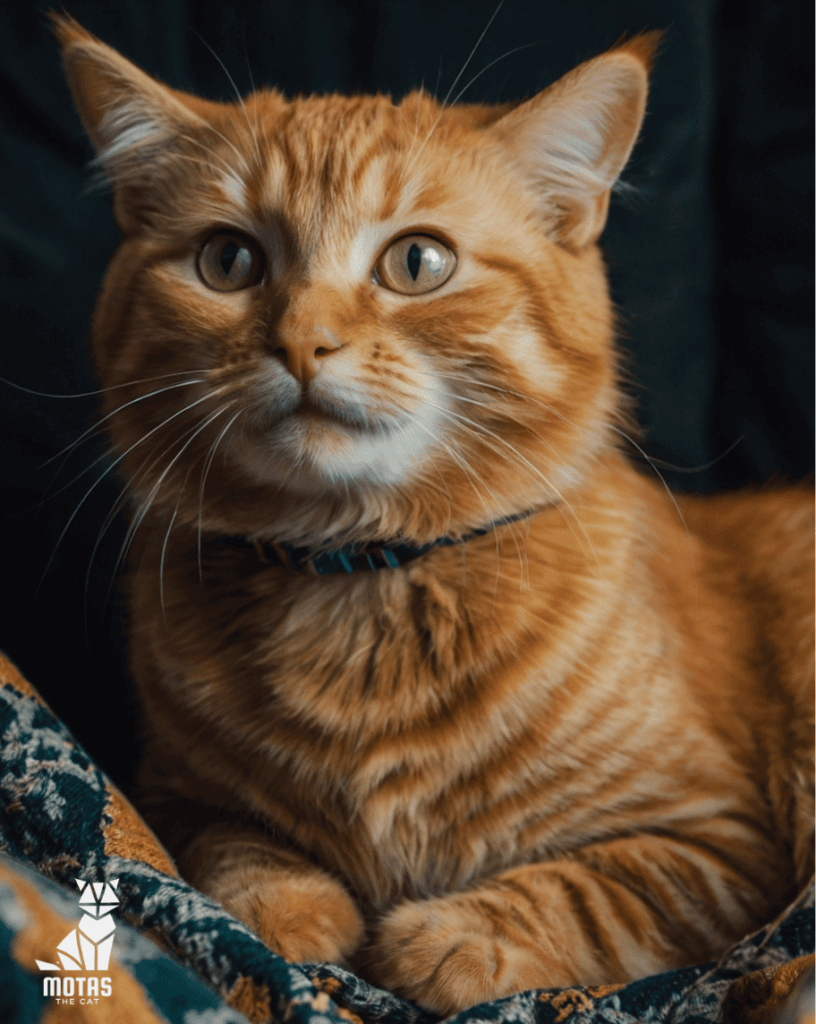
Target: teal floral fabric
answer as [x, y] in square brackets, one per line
[179, 957]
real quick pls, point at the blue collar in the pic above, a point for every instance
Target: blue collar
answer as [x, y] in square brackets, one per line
[361, 557]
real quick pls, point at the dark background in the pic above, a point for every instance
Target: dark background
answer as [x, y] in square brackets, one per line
[710, 256]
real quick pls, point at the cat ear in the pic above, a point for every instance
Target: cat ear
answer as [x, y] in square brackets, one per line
[573, 140]
[130, 118]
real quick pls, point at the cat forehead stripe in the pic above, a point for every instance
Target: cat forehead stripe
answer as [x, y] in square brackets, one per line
[351, 174]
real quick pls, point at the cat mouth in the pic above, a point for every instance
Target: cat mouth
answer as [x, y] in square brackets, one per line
[327, 414]
[334, 437]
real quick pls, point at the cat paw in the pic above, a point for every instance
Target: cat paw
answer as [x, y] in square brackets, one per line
[302, 918]
[447, 954]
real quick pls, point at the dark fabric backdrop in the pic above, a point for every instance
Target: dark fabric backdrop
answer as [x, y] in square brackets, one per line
[710, 256]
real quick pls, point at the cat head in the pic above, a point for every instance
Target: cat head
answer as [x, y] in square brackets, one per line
[341, 317]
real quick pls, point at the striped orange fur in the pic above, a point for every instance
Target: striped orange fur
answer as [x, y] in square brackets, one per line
[574, 750]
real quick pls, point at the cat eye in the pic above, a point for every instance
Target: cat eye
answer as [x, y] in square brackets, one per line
[415, 264]
[228, 263]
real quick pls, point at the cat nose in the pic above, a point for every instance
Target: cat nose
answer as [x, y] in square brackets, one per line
[303, 355]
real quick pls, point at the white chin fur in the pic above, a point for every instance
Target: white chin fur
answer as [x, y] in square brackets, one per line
[304, 454]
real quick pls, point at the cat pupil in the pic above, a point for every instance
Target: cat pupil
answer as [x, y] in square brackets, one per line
[414, 261]
[228, 254]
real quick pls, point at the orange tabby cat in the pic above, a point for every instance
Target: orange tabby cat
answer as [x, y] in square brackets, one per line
[563, 733]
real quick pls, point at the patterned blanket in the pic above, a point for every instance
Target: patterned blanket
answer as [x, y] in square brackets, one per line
[177, 956]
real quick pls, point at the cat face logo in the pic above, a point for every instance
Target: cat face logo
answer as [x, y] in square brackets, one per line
[88, 946]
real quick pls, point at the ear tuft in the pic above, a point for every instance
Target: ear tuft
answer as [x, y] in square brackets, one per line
[645, 46]
[68, 30]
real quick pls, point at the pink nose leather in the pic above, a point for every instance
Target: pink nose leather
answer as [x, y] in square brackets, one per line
[302, 356]
[312, 326]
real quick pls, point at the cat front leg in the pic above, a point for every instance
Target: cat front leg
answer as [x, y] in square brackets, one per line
[609, 914]
[296, 908]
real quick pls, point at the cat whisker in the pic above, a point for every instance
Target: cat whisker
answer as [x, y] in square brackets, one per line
[462, 463]
[211, 157]
[654, 461]
[107, 454]
[526, 399]
[506, 415]
[668, 491]
[166, 540]
[617, 430]
[436, 440]
[415, 132]
[96, 427]
[480, 431]
[251, 80]
[524, 564]
[207, 464]
[413, 159]
[126, 495]
[115, 463]
[248, 65]
[472, 53]
[91, 394]
[524, 568]
[206, 164]
[161, 563]
[475, 382]
[110, 518]
[487, 67]
[242, 164]
[140, 513]
[239, 97]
